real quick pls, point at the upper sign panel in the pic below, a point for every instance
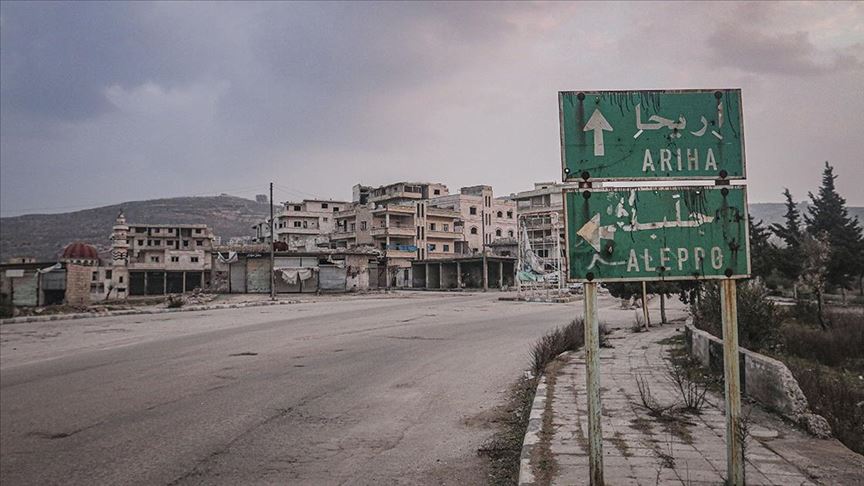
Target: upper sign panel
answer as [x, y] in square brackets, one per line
[651, 135]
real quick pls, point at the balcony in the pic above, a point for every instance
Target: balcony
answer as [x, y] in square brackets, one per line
[297, 231]
[401, 254]
[443, 235]
[393, 230]
[395, 209]
[343, 235]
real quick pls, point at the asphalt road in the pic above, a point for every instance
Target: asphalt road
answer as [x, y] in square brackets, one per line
[355, 390]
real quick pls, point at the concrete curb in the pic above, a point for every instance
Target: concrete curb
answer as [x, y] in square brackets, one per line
[532, 431]
[129, 312]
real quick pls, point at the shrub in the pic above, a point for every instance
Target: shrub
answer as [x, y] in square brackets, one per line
[835, 397]
[174, 301]
[555, 342]
[758, 319]
[840, 345]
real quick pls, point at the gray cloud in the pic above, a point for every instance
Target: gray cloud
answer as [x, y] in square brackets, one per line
[107, 102]
[754, 51]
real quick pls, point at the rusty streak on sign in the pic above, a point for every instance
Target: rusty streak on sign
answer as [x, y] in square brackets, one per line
[657, 233]
[651, 135]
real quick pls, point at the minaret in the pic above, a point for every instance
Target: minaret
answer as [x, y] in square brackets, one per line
[120, 257]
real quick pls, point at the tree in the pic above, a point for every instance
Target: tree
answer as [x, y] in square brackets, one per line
[789, 257]
[761, 250]
[817, 253]
[828, 215]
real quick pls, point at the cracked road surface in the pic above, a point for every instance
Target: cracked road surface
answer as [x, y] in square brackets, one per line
[380, 389]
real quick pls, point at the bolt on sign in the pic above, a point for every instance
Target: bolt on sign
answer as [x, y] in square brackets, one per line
[651, 135]
[671, 233]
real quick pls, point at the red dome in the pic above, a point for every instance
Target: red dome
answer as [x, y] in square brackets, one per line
[80, 251]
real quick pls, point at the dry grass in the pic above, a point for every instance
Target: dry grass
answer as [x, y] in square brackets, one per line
[566, 338]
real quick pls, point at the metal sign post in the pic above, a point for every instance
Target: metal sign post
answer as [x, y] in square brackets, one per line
[592, 365]
[656, 233]
[734, 444]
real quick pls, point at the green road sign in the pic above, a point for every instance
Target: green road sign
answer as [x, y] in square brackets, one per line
[657, 233]
[651, 135]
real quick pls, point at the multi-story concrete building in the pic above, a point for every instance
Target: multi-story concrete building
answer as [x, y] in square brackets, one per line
[161, 258]
[397, 220]
[304, 225]
[480, 212]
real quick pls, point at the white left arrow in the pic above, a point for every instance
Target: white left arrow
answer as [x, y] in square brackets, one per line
[598, 123]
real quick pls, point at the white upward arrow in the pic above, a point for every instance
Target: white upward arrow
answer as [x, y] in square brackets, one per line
[598, 123]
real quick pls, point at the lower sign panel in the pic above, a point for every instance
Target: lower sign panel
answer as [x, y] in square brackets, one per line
[657, 233]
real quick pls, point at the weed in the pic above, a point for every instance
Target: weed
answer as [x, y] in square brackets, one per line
[555, 342]
[505, 446]
[690, 383]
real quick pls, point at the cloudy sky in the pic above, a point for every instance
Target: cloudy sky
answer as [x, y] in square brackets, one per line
[109, 102]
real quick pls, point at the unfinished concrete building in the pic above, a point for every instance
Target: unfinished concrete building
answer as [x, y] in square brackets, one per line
[397, 220]
[304, 225]
[163, 258]
[480, 213]
[541, 241]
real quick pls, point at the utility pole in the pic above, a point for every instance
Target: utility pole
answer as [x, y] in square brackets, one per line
[485, 262]
[272, 249]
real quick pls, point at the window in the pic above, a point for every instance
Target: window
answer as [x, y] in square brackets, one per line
[197, 231]
[175, 259]
[472, 210]
[335, 208]
[510, 214]
[155, 230]
[194, 259]
[298, 208]
[498, 232]
[510, 233]
[154, 259]
[324, 205]
[353, 226]
[140, 242]
[446, 247]
[446, 227]
[473, 230]
[326, 219]
[431, 226]
[499, 214]
[199, 242]
[297, 224]
[362, 225]
[305, 224]
[437, 192]
[157, 243]
[432, 247]
[94, 276]
[108, 274]
[185, 242]
[120, 279]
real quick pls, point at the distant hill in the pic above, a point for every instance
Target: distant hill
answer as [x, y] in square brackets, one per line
[45, 235]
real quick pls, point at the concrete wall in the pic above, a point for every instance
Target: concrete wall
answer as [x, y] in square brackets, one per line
[78, 278]
[356, 272]
[258, 275]
[20, 291]
[764, 379]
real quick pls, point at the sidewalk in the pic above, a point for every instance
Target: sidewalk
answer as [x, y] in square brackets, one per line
[640, 449]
